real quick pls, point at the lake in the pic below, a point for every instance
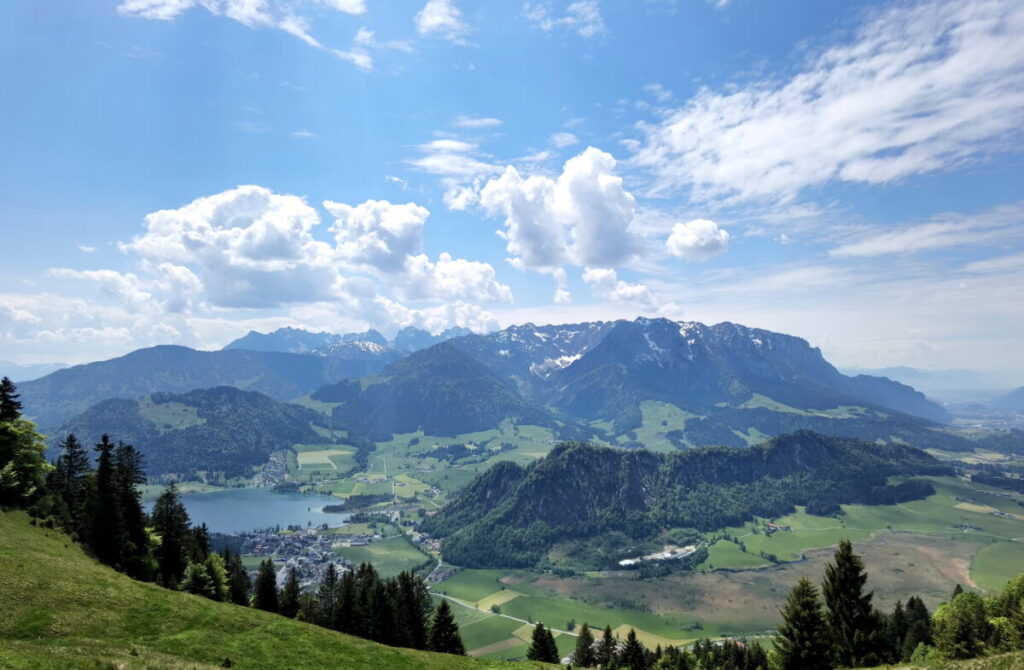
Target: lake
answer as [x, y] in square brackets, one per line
[237, 510]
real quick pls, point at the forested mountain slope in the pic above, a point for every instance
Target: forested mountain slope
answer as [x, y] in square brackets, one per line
[221, 429]
[439, 390]
[511, 516]
[63, 394]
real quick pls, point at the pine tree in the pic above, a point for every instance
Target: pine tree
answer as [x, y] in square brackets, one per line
[634, 655]
[854, 628]
[583, 654]
[896, 631]
[290, 594]
[444, 632]
[133, 546]
[10, 406]
[541, 644]
[801, 641]
[328, 602]
[349, 614]
[70, 484]
[412, 610]
[957, 590]
[606, 649]
[171, 523]
[919, 627]
[264, 595]
[239, 585]
[107, 524]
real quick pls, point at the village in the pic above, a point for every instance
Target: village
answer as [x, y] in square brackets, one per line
[309, 550]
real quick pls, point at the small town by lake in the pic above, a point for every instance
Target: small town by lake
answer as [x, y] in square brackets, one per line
[239, 510]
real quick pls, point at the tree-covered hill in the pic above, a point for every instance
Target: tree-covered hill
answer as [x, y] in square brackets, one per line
[439, 390]
[511, 516]
[284, 376]
[220, 429]
[63, 610]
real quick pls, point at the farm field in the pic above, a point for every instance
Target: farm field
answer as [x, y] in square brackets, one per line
[389, 556]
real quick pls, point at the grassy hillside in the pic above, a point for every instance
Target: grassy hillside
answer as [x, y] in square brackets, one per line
[1002, 662]
[61, 609]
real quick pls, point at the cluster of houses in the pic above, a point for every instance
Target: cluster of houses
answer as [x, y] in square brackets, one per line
[309, 551]
[772, 528]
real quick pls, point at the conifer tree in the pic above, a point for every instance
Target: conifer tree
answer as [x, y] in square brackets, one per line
[348, 612]
[328, 602]
[919, 627]
[133, 545]
[239, 585]
[633, 654]
[801, 641]
[105, 515]
[854, 628]
[583, 655]
[542, 645]
[70, 484]
[606, 649]
[171, 523]
[412, 610]
[290, 594]
[444, 632]
[264, 596]
[10, 406]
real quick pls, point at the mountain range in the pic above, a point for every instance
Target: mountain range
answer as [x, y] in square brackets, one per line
[730, 384]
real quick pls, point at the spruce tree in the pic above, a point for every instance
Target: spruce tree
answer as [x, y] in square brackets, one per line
[606, 649]
[133, 546]
[542, 645]
[10, 406]
[444, 632]
[583, 654]
[349, 614]
[854, 628]
[239, 584]
[217, 569]
[290, 594]
[171, 523]
[919, 627]
[105, 514]
[412, 610]
[328, 599]
[634, 655]
[264, 596]
[70, 483]
[801, 641]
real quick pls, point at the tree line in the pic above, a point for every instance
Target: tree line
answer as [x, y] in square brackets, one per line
[836, 626]
[100, 507]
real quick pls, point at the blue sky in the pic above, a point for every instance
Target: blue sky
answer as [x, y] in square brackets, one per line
[186, 170]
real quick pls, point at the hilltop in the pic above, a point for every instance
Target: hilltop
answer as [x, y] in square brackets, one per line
[64, 610]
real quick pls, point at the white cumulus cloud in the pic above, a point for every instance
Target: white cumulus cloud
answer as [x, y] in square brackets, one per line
[581, 217]
[697, 240]
[606, 285]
